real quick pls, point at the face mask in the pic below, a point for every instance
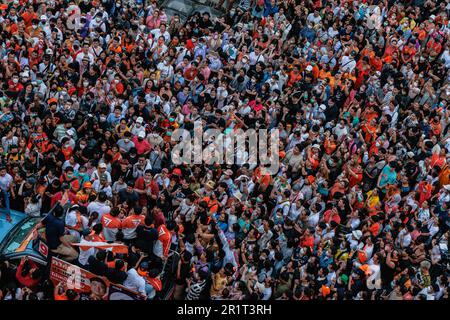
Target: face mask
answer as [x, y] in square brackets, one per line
[82, 146]
[126, 140]
[102, 118]
[85, 84]
[98, 19]
[70, 175]
[15, 80]
[39, 81]
[35, 26]
[171, 119]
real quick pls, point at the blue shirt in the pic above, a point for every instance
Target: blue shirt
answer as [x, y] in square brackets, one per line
[387, 176]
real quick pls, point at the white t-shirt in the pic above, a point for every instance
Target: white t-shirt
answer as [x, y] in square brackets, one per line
[99, 207]
[72, 220]
[348, 64]
[85, 254]
[5, 182]
[135, 282]
[254, 58]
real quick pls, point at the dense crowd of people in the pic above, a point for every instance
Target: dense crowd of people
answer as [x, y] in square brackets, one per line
[91, 92]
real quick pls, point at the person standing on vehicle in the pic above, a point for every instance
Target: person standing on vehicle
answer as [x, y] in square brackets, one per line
[7, 190]
[58, 242]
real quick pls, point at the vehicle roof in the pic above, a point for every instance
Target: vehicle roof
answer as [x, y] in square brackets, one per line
[6, 226]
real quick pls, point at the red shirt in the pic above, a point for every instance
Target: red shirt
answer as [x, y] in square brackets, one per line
[140, 184]
[15, 87]
[26, 281]
[327, 217]
[59, 195]
[254, 106]
[307, 241]
[141, 146]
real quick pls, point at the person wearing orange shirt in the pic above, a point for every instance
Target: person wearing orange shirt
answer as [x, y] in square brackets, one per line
[29, 15]
[439, 159]
[153, 282]
[130, 223]
[315, 71]
[34, 30]
[424, 188]
[374, 226]
[330, 143]
[370, 130]
[111, 224]
[115, 46]
[61, 294]
[262, 180]
[294, 76]
[162, 245]
[82, 197]
[436, 127]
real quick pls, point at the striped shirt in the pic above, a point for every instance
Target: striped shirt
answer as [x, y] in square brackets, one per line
[195, 290]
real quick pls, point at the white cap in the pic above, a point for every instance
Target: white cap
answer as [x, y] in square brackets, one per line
[141, 134]
[44, 17]
[322, 107]
[49, 51]
[309, 68]
[432, 17]
[140, 120]
[70, 132]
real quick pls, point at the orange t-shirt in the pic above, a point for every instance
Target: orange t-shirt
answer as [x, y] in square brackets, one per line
[374, 229]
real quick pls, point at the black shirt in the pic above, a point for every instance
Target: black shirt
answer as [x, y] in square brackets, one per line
[116, 276]
[143, 239]
[96, 266]
[124, 195]
[54, 229]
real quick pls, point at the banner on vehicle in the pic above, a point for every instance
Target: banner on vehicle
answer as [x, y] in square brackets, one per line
[87, 284]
